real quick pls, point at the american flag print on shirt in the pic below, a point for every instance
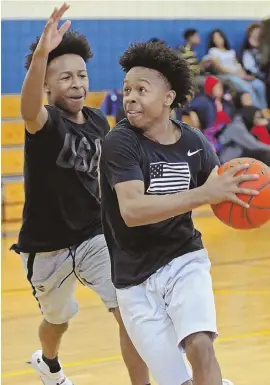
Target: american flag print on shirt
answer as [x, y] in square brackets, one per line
[168, 178]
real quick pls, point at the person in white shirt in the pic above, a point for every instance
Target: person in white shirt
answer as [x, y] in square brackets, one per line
[225, 61]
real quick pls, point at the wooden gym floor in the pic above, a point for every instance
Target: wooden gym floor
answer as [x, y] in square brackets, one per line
[90, 352]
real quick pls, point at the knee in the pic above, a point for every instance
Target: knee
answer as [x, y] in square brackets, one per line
[259, 86]
[199, 349]
[60, 328]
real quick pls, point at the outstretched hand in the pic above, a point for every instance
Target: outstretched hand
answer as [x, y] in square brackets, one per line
[52, 36]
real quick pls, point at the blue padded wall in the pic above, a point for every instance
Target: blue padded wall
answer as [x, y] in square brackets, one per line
[108, 39]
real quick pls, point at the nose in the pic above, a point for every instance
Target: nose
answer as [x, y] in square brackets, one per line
[76, 82]
[131, 97]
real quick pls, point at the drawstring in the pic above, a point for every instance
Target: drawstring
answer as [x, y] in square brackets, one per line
[73, 255]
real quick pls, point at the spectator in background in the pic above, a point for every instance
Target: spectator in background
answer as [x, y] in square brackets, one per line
[256, 123]
[250, 55]
[242, 99]
[264, 48]
[192, 39]
[112, 102]
[225, 61]
[211, 107]
[238, 138]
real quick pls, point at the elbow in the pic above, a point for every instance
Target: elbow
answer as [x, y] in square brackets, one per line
[130, 216]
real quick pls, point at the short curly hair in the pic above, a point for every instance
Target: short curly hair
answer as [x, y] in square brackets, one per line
[72, 43]
[174, 68]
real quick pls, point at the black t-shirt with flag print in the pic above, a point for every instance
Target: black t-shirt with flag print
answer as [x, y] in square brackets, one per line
[137, 252]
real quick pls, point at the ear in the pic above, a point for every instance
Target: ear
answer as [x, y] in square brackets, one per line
[170, 96]
[46, 88]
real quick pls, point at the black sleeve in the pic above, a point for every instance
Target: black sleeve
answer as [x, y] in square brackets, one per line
[47, 129]
[120, 158]
[209, 160]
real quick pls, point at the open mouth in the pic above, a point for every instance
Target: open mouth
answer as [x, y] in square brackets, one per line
[133, 114]
[75, 97]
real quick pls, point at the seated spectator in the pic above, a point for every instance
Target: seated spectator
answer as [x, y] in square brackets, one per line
[113, 100]
[192, 39]
[211, 107]
[264, 48]
[250, 55]
[242, 99]
[225, 60]
[236, 140]
[256, 123]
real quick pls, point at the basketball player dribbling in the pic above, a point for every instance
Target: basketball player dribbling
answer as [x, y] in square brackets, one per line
[61, 236]
[153, 172]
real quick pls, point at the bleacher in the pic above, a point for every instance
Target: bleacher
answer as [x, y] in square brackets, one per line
[12, 153]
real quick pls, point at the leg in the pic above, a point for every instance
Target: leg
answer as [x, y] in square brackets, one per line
[138, 371]
[242, 86]
[50, 336]
[53, 287]
[191, 306]
[260, 89]
[153, 335]
[94, 268]
[200, 353]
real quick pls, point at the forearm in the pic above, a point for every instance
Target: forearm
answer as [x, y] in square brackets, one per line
[149, 209]
[33, 88]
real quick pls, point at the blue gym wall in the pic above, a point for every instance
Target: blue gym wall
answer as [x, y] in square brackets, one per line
[108, 39]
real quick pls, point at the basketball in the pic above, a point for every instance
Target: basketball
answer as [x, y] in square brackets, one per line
[258, 213]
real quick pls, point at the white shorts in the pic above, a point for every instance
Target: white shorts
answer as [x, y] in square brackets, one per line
[173, 303]
[53, 276]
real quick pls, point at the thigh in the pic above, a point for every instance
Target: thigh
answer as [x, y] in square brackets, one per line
[153, 335]
[94, 268]
[258, 85]
[189, 295]
[53, 284]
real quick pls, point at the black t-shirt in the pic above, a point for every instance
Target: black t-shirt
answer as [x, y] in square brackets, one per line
[137, 252]
[62, 206]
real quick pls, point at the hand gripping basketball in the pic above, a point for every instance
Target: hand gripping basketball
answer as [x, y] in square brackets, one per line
[224, 187]
[244, 209]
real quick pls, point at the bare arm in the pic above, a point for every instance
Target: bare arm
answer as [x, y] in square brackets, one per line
[33, 112]
[138, 209]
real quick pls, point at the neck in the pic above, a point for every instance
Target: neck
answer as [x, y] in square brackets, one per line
[76, 118]
[163, 132]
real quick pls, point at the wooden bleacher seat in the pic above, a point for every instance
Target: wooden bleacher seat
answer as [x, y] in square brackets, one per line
[11, 103]
[12, 161]
[12, 133]
[13, 191]
[12, 212]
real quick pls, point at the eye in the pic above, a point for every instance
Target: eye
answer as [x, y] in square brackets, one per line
[126, 89]
[83, 76]
[65, 77]
[142, 89]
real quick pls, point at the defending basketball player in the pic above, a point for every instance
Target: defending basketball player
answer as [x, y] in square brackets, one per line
[61, 236]
[154, 172]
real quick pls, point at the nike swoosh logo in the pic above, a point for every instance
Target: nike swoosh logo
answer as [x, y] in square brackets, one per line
[194, 152]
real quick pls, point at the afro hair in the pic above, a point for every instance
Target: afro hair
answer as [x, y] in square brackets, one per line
[174, 68]
[72, 43]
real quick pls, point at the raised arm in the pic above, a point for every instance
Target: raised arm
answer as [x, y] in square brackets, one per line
[33, 112]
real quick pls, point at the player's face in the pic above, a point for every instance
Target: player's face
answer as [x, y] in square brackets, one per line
[147, 97]
[67, 82]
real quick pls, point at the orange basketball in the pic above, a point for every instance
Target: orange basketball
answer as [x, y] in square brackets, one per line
[258, 213]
